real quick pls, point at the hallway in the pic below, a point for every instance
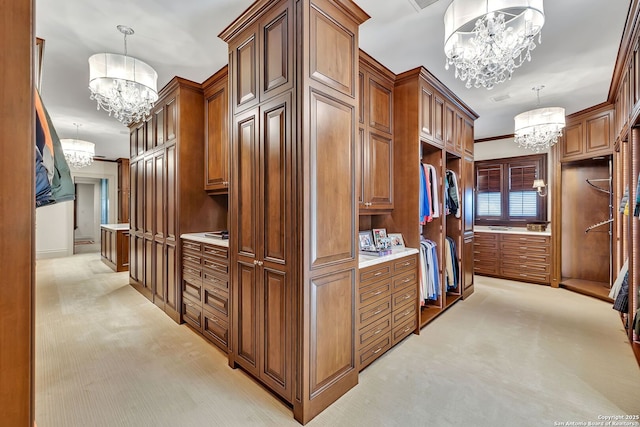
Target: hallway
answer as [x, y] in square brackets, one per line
[510, 355]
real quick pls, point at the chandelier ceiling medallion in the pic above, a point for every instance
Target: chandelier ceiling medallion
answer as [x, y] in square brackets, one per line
[539, 129]
[77, 152]
[486, 40]
[123, 85]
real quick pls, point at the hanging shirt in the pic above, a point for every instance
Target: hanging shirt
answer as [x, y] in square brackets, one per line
[432, 179]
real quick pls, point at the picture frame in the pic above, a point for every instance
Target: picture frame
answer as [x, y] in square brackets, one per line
[379, 233]
[366, 240]
[396, 240]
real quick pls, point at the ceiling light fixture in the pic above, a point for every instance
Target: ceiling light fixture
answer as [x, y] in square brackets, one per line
[539, 129]
[77, 152]
[122, 85]
[486, 40]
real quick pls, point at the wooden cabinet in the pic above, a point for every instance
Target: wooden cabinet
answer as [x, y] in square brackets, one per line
[167, 197]
[123, 191]
[588, 134]
[205, 290]
[293, 169]
[216, 109]
[523, 257]
[375, 148]
[387, 307]
[114, 246]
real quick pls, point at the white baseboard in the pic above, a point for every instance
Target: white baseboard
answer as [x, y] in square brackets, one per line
[53, 253]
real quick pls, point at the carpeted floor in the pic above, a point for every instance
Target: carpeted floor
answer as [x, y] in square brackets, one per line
[512, 354]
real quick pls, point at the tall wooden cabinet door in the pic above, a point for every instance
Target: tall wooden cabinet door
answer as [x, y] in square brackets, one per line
[363, 168]
[140, 140]
[247, 316]
[149, 140]
[171, 198]
[380, 171]
[275, 222]
[467, 266]
[159, 195]
[217, 134]
[133, 194]
[171, 119]
[159, 126]
[244, 80]
[426, 112]
[459, 133]
[361, 97]
[467, 185]
[468, 137]
[133, 265]
[380, 106]
[133, 143]
[572, 141]
[139, 255]
[140, 199]
[171, 260]
[149, 197]
[449, 126]
[438, 120]
[276, 49]
[148, 266]
[159, 281]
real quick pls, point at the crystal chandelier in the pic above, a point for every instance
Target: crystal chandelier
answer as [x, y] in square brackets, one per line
[122, 85]
[77, 152]
[539, 129]
[486, 40]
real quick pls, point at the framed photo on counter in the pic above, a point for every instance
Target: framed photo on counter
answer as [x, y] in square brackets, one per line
[379, 233]
[396, 240]
[366, 240]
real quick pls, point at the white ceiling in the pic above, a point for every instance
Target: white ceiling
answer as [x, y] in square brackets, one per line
[575, 61]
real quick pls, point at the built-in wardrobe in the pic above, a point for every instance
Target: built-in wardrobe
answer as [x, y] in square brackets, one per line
[293, 73]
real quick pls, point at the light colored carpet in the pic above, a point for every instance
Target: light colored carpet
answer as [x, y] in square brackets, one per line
[510, 355]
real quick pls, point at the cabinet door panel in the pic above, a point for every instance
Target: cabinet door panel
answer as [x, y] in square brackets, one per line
[159, 290]
[449, 126]
[467, 185]
[140, 139]
[380, 171]
[217, 118]
[171, 193]
[276, 366]
[148, 131]
[159, 126]
[468, 137]
[467, 266]
[149, 196]
[245, 79]
[438, 120]
[148, 264]
[572, 144]
[139, 255]
[159, 195]
[276, 61]
[133, 186]
[598, 133]
[363, 170]
[426, 112]
[247, 316]
[171, 116]
[380, 106]
[140, 213]
[332, 172]
[276, 134]
[246, 181]
[171, 260]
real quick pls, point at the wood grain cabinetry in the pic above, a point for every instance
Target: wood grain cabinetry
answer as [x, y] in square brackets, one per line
[588, 134]
[387, 307]
[123, 191]
[114, 247]
[375, 148]
[294, 98]
[167, 197]
[216, 110]
[205, 290]
[522, 257]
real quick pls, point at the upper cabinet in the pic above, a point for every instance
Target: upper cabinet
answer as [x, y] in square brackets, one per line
[375, 144]
[216, 109]
[588, 134]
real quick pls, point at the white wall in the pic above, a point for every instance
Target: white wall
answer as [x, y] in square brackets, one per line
[54, 224]
[503, 148]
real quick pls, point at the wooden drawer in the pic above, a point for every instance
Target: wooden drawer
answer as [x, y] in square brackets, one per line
[192, 312]
[375, 272]
[532, 258]
[215, 265]
[485, 238]
[191, 270]
[527, 276]
[526, 238]
[375, 350]
[402, 330]
[216, 300]
[216, 329]
[191, 246]
[491, 269]
[215, 251]
[192, 287]
[404, 296]
[402, 313]
[515, 267]
[214, 279]
[524, 248]
[374, 292]
[373, 331]
[405, 280]
[374, 312]
[192, 259]
[404, 264]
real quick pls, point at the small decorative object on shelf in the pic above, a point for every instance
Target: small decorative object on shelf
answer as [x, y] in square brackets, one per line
[537, 226]
[396, 240]
[222, 234]
[375, 243]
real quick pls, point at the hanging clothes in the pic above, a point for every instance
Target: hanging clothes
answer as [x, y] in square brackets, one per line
[636, 211]
[452, 271]
[43, 187]
[452, 194]
[424, 197]
[432, 182]
[429, 271]
[624, 200]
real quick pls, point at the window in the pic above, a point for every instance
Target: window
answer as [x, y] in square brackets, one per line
[505, 193]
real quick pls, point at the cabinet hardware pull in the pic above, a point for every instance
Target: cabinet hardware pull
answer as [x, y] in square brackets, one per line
[406, 263]
[378, 350]
[377, 293]
[377, 332]
[407, 329]
[215, 320]
[255, 262]
[378, 273]
[406, 280]
[379, 311]
[407, 296]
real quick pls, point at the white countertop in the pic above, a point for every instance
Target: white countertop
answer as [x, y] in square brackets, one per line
[511, 230]
[115, 227]
[200, 237]
[368, 260]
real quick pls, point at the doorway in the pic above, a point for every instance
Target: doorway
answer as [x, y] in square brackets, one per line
[91, 208]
